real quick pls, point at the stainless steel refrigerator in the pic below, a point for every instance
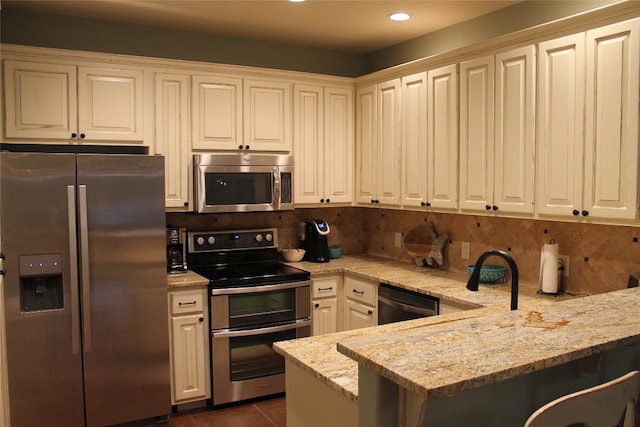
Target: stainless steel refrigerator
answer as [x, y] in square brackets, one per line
[84, 288]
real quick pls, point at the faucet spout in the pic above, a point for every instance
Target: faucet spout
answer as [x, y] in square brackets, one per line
[474, 280]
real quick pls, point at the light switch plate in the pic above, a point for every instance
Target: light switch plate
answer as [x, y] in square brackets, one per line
[466, 249]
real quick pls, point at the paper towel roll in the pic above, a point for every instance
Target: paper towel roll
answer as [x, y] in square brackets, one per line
[549, 268]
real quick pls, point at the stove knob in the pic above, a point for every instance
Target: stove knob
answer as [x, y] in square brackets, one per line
[211, 240]
[258, 237]
[269, 237]
[200, 241]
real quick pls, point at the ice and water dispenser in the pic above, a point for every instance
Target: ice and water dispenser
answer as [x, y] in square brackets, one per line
[41, 282]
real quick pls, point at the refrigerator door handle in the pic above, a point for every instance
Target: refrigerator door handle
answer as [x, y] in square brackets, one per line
[84, 263]
[73, 269]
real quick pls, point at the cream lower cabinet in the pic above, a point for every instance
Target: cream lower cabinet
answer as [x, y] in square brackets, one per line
[62, 101]
[323, 145]
[189, 338]
[378, 144]
[588, 124]
[324, 303]
[496, 132]
[172, 136]
[360, 302]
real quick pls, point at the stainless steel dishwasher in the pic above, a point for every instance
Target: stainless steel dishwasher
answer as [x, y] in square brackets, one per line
[396, 304]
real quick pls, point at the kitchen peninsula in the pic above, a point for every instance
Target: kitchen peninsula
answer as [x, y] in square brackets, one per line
[483, 366]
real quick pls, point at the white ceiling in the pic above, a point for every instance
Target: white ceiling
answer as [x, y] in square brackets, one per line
[358, 26]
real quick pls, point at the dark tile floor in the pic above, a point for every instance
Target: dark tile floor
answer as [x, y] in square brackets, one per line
[259, 413]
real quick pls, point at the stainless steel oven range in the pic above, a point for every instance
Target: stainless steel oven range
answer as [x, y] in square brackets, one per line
[254, 302]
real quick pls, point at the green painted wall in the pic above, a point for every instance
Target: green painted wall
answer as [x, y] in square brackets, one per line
[35, 29]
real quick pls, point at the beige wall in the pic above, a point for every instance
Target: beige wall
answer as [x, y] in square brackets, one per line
[601, 256]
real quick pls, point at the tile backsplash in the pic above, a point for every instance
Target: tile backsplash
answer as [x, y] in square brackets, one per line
[601, 257]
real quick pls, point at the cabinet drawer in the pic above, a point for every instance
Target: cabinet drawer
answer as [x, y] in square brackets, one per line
[360, 290]
[324, 287]
[186, 302]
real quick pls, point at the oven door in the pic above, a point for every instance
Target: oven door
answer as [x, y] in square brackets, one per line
[244, 364]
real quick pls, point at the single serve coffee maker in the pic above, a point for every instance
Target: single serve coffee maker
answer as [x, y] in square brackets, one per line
[313, 239]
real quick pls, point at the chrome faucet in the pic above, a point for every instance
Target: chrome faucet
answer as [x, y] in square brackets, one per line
[474, 280]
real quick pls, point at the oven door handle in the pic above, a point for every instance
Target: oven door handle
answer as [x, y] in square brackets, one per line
[406, 307]
[226, 333]
[261, 288]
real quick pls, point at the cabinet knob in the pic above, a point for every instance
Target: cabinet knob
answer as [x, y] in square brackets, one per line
[370, 312]
[240, 147]
[186, 204]
[321, 200]
[585, 213]
[246, 147]
[575, 212]
[201, 319]
[487, 207]
[74, 135]
[82, 135]
[316, 305]
[328, 200]
[494, 207]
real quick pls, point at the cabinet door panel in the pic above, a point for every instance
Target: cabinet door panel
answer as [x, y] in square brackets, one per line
[338, 145]
[267, 115]
[110, 104]
[358, 316]
[560, 125]
[442, 165]
[476, 133]
[172, 136]
[389, 137]
[308, 143]
[216, 112]
[40, 100]
[514, 158]
[366, 145]
[325, 316]
[189, 364]
[611, 128]
[414, 140]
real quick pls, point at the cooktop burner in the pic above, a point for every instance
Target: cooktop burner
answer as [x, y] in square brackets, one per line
[239, 258]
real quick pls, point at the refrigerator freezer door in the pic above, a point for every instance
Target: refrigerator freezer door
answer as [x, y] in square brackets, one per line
[44, 358]
[123, 287]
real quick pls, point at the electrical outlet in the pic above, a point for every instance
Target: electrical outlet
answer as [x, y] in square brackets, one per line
[564, 261]
[466, 249]
[398, 240]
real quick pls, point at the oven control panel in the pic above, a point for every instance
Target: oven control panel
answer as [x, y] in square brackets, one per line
[214, 241]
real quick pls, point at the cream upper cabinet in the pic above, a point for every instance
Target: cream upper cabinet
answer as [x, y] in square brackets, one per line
[58, 101]
[216, 113]
[476, 133]
[323, 144]
[378, 138]
[442, 138]
[514, 131]
[496, 132]
[366, 144]
[611, 124]
[267, 115]
[560, 124]
[588, 124]
[414, 140]
[172, 136]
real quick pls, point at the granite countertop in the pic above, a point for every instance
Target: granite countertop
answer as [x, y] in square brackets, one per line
[318, 355]
[185, 280]
[445, 359]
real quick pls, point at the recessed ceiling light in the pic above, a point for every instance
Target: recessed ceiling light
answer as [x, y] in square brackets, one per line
[400, 16]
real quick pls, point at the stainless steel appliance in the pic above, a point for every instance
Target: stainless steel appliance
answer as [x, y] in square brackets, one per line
[314, 240]
[254, 302]
[396, 305]
[243, 182]
[84, 288]
[176, 250]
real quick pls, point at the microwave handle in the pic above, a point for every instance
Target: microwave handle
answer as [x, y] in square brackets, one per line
[277, 189]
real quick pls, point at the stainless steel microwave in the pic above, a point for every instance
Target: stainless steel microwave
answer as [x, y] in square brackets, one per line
[243, 182]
